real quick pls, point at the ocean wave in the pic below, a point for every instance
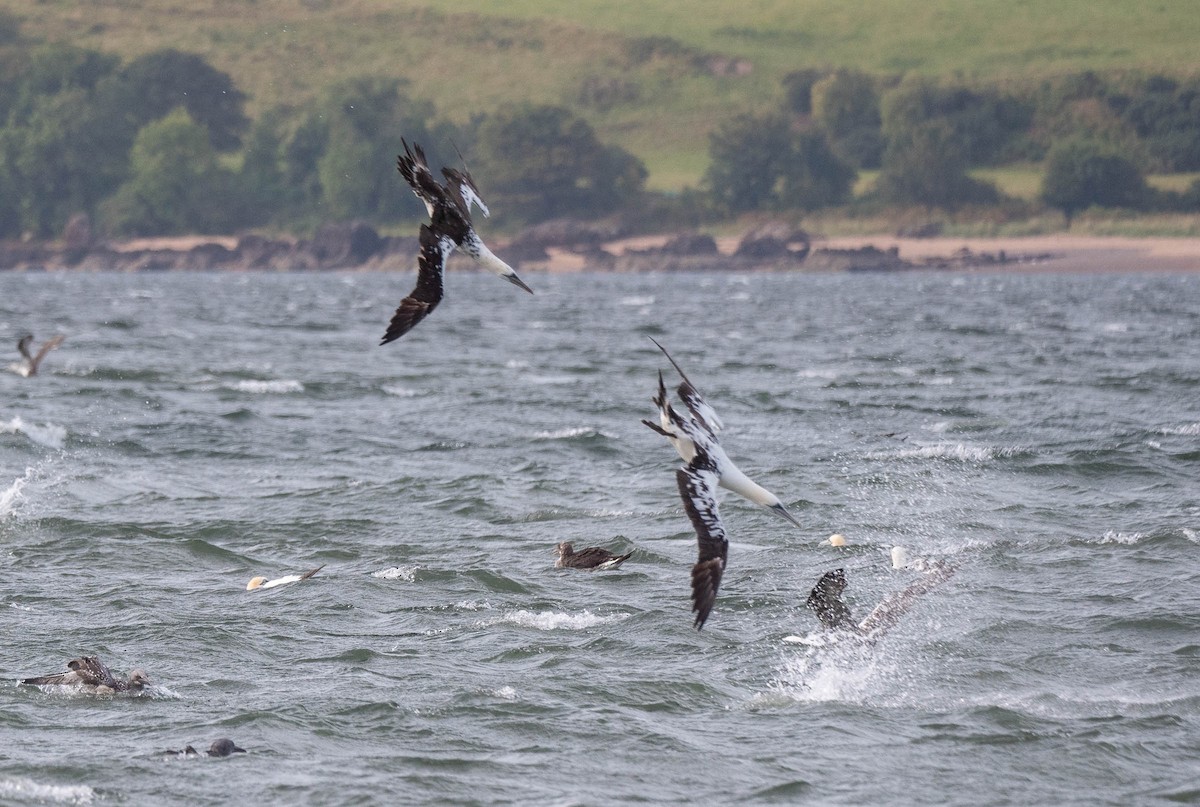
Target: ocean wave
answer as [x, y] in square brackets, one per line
[12, 494]
[406, 573]
[1188, 430]
[554, 620]
[49, 435]
[1127, 538]
[275, 387]
[638, 300]
[399, 391]
[949, 451]
[571, 433]
[28, 790]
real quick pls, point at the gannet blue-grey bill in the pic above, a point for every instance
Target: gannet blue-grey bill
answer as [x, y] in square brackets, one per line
[516, 281]
[781, 511]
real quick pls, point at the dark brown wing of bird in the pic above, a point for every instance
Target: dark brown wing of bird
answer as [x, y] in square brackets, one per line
[94, 670]
[23, 347]
[593, 556]
[697, 488]
[415, 169]
[428, 292]
[36, 361]
[702, 413]
[885, 615]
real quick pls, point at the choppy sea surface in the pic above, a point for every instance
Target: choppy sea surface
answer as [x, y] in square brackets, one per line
[195, 430]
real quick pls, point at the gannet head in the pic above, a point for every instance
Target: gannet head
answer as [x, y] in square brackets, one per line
[138, 679]
[255, 582]
[733, 479]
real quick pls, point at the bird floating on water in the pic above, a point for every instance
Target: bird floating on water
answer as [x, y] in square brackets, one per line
[450, 227]
[223, 747]
[257, 583]
[88, 674]
[28, 366]
[706, 466]
[593, 558]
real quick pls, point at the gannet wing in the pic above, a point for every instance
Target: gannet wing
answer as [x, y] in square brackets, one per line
[23, 347]
[428, 292]
[704, 415]
[697, 488]
[885, 615]
[46, 348]
[415, 169]
[463, 187]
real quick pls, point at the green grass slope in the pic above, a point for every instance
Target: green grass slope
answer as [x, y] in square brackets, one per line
[474, 56]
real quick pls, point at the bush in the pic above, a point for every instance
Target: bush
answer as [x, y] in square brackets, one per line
[1083, 173]
[846, 105]
[927, 165]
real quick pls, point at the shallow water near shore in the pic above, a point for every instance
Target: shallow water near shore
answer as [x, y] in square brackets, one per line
[195, 430]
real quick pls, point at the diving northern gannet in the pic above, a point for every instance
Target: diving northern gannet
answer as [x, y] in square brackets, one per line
[450, 227]
[698, 432]
[826, 601]
[593, 558]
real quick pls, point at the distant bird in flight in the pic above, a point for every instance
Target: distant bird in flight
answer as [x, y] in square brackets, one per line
[450, 228]
[707, 466]
[30, 362]
[593, 558]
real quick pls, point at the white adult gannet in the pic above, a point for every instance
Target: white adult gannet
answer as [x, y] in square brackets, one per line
[257, 583]
[450, 227]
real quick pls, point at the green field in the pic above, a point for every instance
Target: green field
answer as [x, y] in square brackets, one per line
[727, 60]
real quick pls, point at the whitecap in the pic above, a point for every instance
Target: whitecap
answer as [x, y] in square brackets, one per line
[276, 387]
[29, 790]
[399, 392]
[1189, 430]
[49, 435]
[1116, 537]
[569, 433]
[948, 451]
[550, 379]
[819, 373]
[506, 693]
[556, 620]
[10, 496]
[638, 300]
[516, 364]
[406, 573]
[1116, 327]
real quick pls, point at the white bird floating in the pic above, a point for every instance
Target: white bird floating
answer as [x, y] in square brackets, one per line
[450, 227]
[706, 466]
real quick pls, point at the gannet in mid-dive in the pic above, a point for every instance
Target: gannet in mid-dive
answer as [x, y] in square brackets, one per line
[450, 227]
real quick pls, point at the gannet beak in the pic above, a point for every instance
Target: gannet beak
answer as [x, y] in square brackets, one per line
[780, 510]
[516, 281]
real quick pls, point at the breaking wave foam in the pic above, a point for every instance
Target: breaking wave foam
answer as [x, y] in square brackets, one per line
[49, 435]
[555, 620]
[28, 790]
[277, 387]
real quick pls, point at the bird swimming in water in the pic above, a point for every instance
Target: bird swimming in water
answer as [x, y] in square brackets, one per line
[223, 747]
[88, 674]
[450, 227]
[28, 366]
[593, 558]
[260, 582]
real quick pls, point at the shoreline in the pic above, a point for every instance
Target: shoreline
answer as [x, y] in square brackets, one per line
[357, 247]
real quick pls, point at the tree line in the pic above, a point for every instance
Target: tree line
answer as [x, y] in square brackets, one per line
[162, 144]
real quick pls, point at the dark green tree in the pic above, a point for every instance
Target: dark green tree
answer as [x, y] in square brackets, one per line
[1081, 173]
[150, 86]
[846, 105]
[176, 184]
[814, 176]
[539, 162]
[747, 157]
[927, 165]
[798, 87]
[984, 123]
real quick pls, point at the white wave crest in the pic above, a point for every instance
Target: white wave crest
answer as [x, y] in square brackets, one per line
[1115, 537]
[12, 494]
[556, 620]
[505, 693]
[49, 435]
[1189, 430]
[406, 573]
[949, 451]
[399, 391]
[638, 300]
[29, 790]
[568, 433]
[276, 387]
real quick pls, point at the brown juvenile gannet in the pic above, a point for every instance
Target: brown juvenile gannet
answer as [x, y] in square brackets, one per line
[257, 583]
[825, 601]
[450, 227]
[28, 366]
[593, 558]
[88, 674]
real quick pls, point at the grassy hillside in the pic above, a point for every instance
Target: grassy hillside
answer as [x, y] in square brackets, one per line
[659, 103]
